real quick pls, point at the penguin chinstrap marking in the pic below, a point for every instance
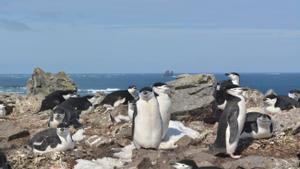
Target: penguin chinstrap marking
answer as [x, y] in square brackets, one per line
[56, 98]
[277, 104]
[114, 99]
[231, 124]
[257, 126]
[147, 123]
[4, 164]
[52, 139]
[164, 100]
[294, 94]
[69, 111]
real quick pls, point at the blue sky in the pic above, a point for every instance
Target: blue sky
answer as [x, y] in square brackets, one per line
[143, 36]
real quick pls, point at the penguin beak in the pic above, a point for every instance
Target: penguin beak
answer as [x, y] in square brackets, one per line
[227, 74]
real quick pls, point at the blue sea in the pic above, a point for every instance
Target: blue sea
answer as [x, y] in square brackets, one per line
[91, 83]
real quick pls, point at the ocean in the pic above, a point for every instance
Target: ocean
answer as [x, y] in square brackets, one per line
[91, 83]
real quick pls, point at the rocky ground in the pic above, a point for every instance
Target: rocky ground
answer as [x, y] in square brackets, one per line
[106, 145]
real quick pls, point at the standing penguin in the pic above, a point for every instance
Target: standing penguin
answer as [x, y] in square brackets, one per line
[231, 123]
[220, 96]
[52, 139]
[56, 98]
[257, 126]
[2, 110]
[147, 123]
[164, 100]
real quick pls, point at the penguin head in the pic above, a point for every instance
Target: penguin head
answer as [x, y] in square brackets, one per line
[294, 94]
[132, 89]
[236, 90]
[59, 114]
[62, 130]
[146, 93]
[70, 95]
[233, 76]
[264, 121]
[161, 88]
[270, 99]
[185, 164]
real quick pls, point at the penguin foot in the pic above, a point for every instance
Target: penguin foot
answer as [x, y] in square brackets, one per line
[235, 156]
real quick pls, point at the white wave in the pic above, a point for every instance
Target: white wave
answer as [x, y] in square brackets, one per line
[108, 90]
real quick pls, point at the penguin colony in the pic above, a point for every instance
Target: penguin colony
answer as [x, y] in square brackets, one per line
[149, 112]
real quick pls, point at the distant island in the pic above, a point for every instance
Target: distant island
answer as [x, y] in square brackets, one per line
[168, 73]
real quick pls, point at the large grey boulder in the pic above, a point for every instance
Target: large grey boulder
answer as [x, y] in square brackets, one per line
[192, 92]
[46, 83]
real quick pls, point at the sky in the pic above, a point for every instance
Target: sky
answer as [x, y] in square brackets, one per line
[149, 36]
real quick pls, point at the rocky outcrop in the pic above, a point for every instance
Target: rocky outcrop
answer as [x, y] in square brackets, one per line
[192, 93]
[45, 83]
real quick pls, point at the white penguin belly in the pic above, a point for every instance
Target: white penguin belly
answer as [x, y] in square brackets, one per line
[273, 109]
[262, 133]
[148, 124]
[164, 107]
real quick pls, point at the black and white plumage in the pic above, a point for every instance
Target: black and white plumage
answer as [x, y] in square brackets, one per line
[257, 126]
[231, 124]
[276, 104]
[2, 109]
[56, 98]
[117, 98]
[190, 164]
[294, 94]
[4, 164]
[147, 122]
[69, 111]
[220, 95]
[52, 139]
[163, 97]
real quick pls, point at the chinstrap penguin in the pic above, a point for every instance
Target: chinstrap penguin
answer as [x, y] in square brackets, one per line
[231, 123]
[190, 164]
[2, 110]
[69, 111]
[117, 98]
[51, 140]
[56, 98]
[234, 79]
[276, 104]
[4, 164]
[147, 123]
[257, 126]
[294, 94]
[164, 100]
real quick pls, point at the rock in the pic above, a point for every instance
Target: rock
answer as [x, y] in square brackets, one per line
[184, 141]
[287, 120]
[145, 163]
[96, 141]
[46, 83]
[254, 99]
[261, 162]
[192, 93]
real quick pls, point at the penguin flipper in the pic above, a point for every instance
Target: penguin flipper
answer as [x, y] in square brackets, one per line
[133, 118]
[233, 126]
